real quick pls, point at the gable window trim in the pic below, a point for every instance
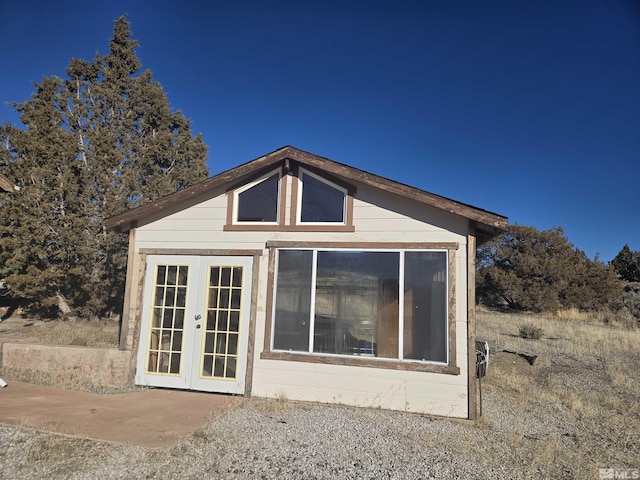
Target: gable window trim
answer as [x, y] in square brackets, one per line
[232, 223]
[302, 172]
[346, 226]
[448, 367]
[288, 204]
[245, 188]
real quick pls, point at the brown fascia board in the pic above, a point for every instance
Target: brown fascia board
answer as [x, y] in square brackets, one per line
[125, 220]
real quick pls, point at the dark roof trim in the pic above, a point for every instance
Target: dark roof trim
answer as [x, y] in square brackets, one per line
[491, 221]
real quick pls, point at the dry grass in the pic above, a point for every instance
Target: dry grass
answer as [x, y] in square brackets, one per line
[575, 410]
[616, 319]
[59, 332]
[586, 378]
[100, 334]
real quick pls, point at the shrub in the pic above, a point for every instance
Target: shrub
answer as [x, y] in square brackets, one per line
[628, 306]
[531, 331]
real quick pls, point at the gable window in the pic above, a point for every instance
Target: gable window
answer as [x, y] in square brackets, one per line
[320, 201]
[362, 303]
[257, 202]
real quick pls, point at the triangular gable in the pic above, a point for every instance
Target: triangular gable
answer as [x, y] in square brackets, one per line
[487, 223]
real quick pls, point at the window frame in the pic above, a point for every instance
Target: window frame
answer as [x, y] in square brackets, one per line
[300, 195]
[235, 202]
[232, 193]
[287, 217]
[450, 367]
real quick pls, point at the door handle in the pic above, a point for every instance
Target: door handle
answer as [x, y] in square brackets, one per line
[198, 317]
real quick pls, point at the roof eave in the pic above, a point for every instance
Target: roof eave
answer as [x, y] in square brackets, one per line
[130, 218]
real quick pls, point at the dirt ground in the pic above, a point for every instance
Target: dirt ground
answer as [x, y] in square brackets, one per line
[563, 406]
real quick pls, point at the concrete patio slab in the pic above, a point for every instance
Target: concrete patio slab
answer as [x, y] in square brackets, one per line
[153, 418]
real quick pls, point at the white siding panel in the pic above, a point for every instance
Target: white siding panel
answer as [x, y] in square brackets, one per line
[378, 217]
[361, 386]
[456, 409]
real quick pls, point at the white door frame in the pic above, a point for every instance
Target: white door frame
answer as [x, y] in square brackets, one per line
[197, 324]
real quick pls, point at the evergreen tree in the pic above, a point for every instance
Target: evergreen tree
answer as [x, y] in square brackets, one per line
[101, 142]
[528, 269]
[627, 264]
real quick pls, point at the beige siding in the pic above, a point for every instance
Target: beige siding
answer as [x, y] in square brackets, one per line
[418, 392]
[378, 217]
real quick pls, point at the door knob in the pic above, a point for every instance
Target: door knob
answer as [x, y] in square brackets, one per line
[198, 317]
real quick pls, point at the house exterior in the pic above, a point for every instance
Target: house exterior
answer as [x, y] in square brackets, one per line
[299, 277]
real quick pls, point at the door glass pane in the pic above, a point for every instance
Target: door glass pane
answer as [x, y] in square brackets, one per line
[211, 319]
[169, 299]
[177, 341]
[207, 366]
[225, 277]
[155, 317]
[183, 275]
[425, 306]
[164, 350]
[220, 349]
[213, 298]
[158, 300]
[167, 319]
[172, 272]
[179, 318]
[237, 277]
[235, 298]
[234, 321]
[214, 277]
[232, 345]
[218, 369]
[181, 297]
[209, 342]
[224, 298]
[223, 320]
[231, 368]
[293, 301]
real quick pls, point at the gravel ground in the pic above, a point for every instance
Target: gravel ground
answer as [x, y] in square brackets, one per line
[565, 417]
[269, 439]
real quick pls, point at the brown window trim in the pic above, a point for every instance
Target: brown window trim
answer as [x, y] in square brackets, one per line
[289, 228]
[201, 252]
[367, 245]
[306, 227]
[371, 362]
[230, 226]
[450, 369]
[281, 225]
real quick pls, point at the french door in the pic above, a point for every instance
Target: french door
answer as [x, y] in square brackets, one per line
[195, 321]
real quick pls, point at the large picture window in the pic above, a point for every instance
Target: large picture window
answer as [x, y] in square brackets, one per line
[385, 304]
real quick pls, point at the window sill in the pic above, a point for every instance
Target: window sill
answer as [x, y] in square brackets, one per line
[362, 362]
[289, 228]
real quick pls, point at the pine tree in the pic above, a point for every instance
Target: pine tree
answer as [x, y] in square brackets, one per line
[528, 269]
[100, 142]
[627, 264]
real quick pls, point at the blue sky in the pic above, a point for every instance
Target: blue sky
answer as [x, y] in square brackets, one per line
[527, 109]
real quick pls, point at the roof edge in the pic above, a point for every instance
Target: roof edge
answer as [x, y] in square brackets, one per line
[126, 220]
